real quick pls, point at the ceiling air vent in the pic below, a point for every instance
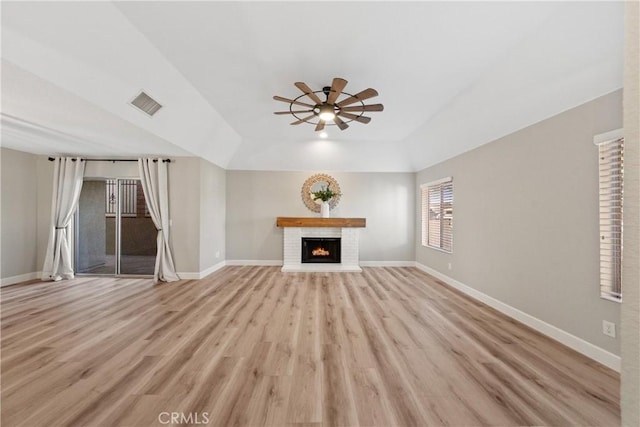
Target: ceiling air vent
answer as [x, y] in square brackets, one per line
[147, 104]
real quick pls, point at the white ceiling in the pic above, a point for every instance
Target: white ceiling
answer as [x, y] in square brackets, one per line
[451, 75]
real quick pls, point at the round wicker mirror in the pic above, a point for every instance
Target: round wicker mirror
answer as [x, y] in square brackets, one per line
[315, 183]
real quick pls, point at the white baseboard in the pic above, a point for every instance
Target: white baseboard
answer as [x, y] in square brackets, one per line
[203, 273]
[387, 264]
[254, 262]
[212, 269]
[19, 278]
[578, 344]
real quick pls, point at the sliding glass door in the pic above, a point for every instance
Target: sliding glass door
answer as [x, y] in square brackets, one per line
[137, 233]
[94, 247]
[114, 231]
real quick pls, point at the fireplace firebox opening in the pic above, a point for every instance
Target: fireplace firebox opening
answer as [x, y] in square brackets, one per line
[321, 250]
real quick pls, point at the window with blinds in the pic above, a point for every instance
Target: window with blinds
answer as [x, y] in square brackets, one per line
[437, 214]
[611, 170]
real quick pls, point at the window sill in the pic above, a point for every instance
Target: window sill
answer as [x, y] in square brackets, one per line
[612, 299]
[438, 249]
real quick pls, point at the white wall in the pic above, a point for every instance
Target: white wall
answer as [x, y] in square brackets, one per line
[526, 220]
[256, 198]
[18, 216]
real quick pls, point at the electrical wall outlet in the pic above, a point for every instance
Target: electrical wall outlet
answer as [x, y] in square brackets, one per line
[218, 254]
[450, 266]
[609, 328]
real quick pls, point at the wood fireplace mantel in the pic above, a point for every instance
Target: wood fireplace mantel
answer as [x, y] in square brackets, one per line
[283, 221]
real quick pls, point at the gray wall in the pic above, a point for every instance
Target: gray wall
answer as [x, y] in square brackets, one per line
[526, 220]
[212, 214]
[197, 202]
[184, 205]
[256, 198]
[630, 393]
[18, 213]
[44, 177]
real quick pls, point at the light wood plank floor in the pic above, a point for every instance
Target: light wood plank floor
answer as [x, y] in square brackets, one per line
[251, 346]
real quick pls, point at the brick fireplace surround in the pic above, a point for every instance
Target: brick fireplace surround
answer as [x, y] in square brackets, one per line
[348, 229]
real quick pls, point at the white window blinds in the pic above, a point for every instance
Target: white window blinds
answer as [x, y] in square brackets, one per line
[437, 214]
[611, 169]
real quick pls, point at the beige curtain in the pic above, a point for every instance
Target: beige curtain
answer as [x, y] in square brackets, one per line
[153, 175]
[67, 183]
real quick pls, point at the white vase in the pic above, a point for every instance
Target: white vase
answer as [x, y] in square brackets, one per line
[324, 209]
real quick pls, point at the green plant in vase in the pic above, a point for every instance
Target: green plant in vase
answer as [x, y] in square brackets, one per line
[325, 194]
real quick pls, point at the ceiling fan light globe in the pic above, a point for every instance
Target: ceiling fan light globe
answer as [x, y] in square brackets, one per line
[326, 112]
[327, 116]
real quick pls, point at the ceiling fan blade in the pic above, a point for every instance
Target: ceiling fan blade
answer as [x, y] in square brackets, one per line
[292, 101]
[293, 112]
[336, 89]
[361, 119]
[320, 126]
[304, 119]
[365, 94]
[359, 108]
[342, 125]
[304, 88]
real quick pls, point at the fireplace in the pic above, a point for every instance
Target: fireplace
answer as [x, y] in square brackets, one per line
[321, 250]
[295, 229]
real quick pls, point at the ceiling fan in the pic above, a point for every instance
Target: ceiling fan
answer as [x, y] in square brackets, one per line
[338, 105]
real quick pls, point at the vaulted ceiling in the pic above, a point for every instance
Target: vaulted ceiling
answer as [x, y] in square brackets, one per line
[451, 75]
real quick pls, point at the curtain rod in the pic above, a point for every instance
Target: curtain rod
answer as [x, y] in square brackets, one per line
[51, 159]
